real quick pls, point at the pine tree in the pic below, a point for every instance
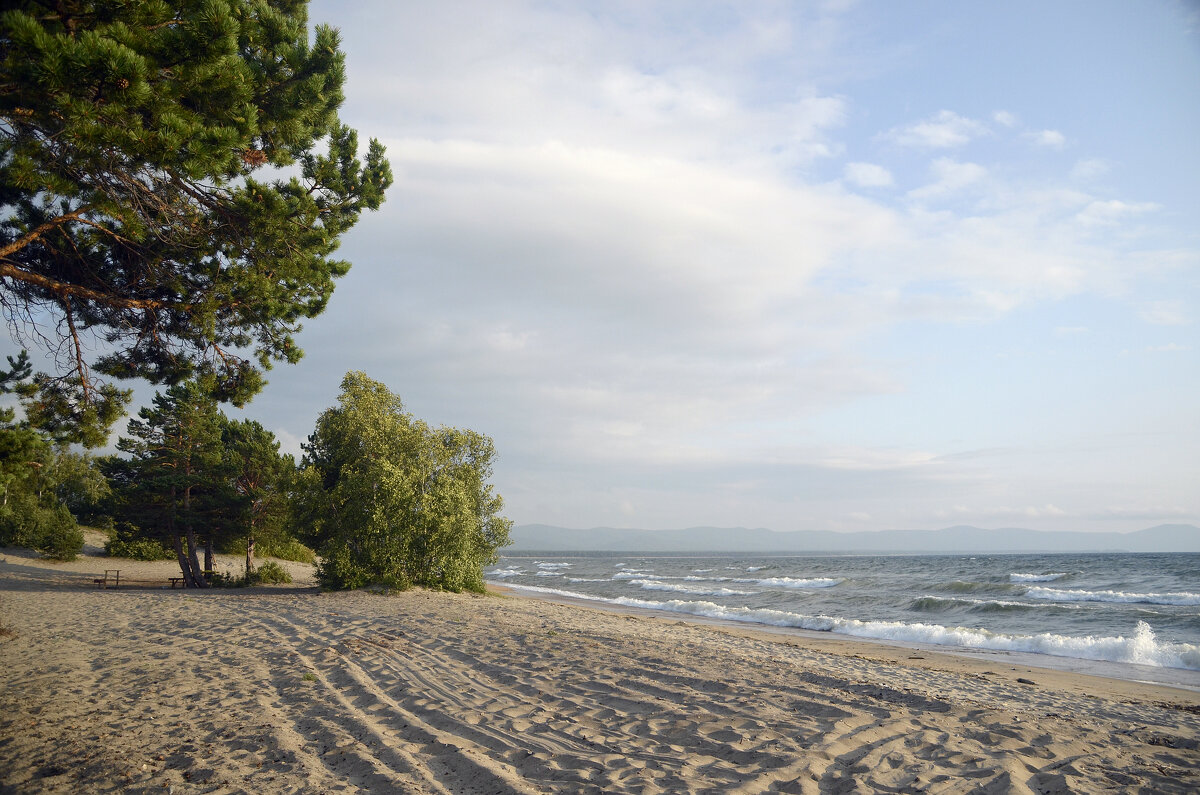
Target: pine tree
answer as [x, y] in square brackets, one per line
[172, 483]
[257, 476]
[141, 196]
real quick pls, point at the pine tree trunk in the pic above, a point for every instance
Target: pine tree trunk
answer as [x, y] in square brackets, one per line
[208, 555]
[184, 567]
[249, 556]
[197, 573]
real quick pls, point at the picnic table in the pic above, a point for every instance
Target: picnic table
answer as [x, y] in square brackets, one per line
[112, 576]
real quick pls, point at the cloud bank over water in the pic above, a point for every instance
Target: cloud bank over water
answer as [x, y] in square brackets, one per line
[747, 263]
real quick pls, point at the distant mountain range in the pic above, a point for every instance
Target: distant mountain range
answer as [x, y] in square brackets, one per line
[545, 538]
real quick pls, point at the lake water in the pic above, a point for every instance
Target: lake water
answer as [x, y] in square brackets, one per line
[1124, 609]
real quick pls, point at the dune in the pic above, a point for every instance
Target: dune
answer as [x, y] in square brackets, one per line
[286, 689]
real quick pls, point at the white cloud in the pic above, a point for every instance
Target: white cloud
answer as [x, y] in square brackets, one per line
[1166, 313]
[289, 442]
[612, 247]
[1112, 211]
[1090, 168]
[1051, 139]
[1005, 118]
[868, 175]
[945, 130]
[949, 176]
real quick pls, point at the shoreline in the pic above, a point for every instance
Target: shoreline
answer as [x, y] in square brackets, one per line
[1178, 678]
[286, 689]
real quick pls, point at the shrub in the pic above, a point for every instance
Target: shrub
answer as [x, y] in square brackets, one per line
[127, 541]
[138, 549]
[286, 549]
[27, 522]
[58, 536]
[270, 573]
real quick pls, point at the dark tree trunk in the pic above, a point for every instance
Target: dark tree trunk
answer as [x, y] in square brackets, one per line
[184, 567]
[197, 573]
[249, 556]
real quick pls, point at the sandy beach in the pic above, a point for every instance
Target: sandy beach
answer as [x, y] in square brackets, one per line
[286, 689]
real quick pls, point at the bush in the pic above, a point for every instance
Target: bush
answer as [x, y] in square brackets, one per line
[138, 549]
[27, 522]
[220, 579]
[128, 541]
[58, 536]
[270, 573]
[286, 549]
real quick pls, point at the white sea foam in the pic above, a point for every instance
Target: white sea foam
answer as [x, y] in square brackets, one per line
[796, 582]
[629, 574]
[588, 579]
[659, 585]
[549, 573]
[1119, 597]
[510, 572]
[1141, 648]
[1036, 577]
[932, 602]
[754, 568]
[544, 565]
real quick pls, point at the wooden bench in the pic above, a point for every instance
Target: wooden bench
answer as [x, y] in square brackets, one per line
[176, 582]
[113, 575]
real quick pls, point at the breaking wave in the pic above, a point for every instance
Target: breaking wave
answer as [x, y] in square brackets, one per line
[659, 585]
[1120, 597]
[1140, 648]
[938, 604]
[795, 582]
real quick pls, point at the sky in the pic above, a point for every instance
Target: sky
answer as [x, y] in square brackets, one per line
[797, 265]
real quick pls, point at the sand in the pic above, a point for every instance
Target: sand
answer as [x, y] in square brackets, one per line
[285, 689]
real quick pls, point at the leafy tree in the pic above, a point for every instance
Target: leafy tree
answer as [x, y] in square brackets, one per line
[171, 484]
[37, 480]
[77, 482]
[174, 181]
[391, 501]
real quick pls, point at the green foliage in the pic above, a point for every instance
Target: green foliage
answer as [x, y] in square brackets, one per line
[174, 178]
[286, 549]
[194, 476]
[258, 478]
[77, 482]
[72, 411]
[173, 484]
[221, 579]
[270, 573]
[137, 549]
[39, 483]
[128, 541]
[28, 521]
[391, 501]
